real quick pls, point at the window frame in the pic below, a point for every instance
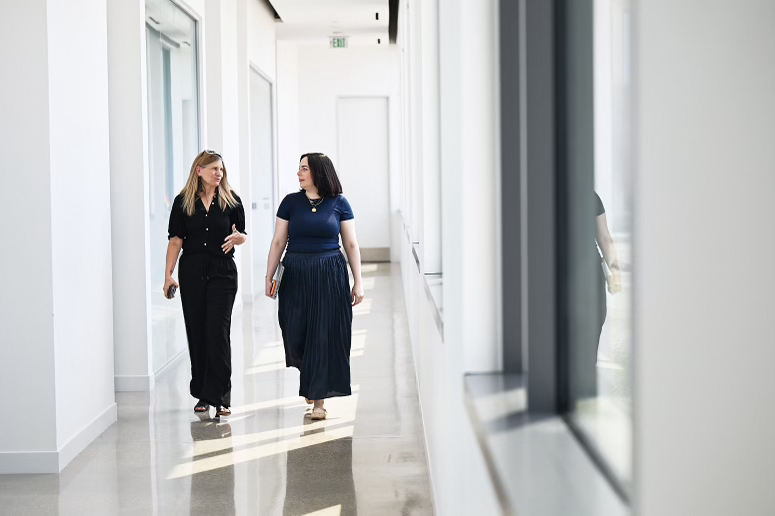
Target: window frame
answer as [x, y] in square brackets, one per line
[533, 62]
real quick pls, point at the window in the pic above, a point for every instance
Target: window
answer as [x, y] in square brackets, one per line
[595, 229]
[173, 143]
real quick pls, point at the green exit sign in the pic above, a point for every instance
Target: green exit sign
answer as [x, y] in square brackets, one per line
[338, 42]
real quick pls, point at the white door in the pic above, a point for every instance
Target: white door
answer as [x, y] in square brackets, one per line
[363, 168]
[262, 172]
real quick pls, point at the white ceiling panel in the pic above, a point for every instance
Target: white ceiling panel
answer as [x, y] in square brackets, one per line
[315, 19]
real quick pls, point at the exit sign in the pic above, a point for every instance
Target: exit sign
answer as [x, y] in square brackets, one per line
[338, 42]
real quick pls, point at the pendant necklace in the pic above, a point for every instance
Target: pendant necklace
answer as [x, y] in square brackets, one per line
[314, 204]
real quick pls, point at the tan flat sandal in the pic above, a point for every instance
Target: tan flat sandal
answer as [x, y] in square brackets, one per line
[317, 415]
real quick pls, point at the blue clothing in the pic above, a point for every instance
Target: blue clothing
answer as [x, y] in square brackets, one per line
[314, 232]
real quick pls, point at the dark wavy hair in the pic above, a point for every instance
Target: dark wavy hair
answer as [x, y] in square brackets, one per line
[323, 174]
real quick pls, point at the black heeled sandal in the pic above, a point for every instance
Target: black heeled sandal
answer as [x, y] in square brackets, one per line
[201, 407]
[223, 412]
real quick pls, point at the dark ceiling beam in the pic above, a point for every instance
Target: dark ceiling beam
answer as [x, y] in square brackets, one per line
[393, 30]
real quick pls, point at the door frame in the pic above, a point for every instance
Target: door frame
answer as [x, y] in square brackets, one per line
[390, 142]
[254, 68]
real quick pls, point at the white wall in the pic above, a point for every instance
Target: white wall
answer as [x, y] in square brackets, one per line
[80, 206]
[262, 47]
[236, 35]
[288, 149]
[27, 302]
[59, 356]
[705, 248]
[325, 75]
[256, 47]
[130, 224]
[467, 146]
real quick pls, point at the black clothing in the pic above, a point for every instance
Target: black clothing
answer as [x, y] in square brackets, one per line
[204, 232]
[314, 232]
[208, 287]
[316, 316]
[599, 208]
[602, 306]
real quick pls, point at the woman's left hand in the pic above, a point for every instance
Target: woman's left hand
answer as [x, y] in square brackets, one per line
[357, 294]
[236, 238]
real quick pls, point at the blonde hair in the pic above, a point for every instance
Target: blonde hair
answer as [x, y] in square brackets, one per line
[194, 186]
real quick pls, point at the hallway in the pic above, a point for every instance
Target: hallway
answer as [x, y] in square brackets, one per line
[268, 458]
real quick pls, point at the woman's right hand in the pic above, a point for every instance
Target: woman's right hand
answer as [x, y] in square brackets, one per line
[268, 288]
[168, 282]
[615, 282]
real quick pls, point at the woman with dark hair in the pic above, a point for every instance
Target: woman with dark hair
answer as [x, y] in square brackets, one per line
[315, 297]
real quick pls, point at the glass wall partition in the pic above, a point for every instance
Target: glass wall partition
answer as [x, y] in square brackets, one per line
[173, 143]
[595, 228]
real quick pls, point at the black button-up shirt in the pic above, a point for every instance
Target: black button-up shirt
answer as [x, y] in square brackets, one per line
[205, 232]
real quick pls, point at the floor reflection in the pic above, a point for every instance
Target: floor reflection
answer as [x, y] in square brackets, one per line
[368, 457]
[212, 492]
[317, 484]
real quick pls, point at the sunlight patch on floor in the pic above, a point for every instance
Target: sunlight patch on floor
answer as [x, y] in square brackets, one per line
[265, 450]
[336, 510]
[342, 410]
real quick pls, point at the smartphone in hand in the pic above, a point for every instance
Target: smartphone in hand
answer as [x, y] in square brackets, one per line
[171, 291]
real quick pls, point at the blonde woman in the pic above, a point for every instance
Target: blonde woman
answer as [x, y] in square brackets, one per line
[207, 221]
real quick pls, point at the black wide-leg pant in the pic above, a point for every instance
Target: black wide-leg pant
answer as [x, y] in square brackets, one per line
[208, 286]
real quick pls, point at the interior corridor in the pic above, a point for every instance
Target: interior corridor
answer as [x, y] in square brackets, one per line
[268, 457]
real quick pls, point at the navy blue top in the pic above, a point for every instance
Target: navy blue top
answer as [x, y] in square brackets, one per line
[204, 232]
[312, 232]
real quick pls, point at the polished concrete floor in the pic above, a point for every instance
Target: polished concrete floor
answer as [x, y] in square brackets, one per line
[268, 458]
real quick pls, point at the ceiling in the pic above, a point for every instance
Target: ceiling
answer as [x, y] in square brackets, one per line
[321, 19]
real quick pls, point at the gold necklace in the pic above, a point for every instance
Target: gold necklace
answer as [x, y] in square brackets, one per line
[315, 206]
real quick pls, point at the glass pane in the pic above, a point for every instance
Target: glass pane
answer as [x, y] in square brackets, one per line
[596, 227]
[173, 142]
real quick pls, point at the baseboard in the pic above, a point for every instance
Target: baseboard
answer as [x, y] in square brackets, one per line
[431, 478]
[29, 462]
[171, 363]
[85, 437]
[55, 461]
[375, 254]
[133, 383]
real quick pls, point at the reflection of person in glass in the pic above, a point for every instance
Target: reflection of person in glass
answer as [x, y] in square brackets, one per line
[207, 221]
[609, 272]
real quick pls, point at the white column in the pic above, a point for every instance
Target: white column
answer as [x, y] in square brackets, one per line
[226, 51]
[431, 153]
[704, 182]
[469, 179]
[129, 195]
[27, 301]
[245, 252]
[56, 315]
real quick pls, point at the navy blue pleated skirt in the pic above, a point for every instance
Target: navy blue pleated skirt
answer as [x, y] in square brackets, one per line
[316, 321]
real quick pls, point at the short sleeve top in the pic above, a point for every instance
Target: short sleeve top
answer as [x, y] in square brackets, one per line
[318, 231]
[599, 208]
[205, 231]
